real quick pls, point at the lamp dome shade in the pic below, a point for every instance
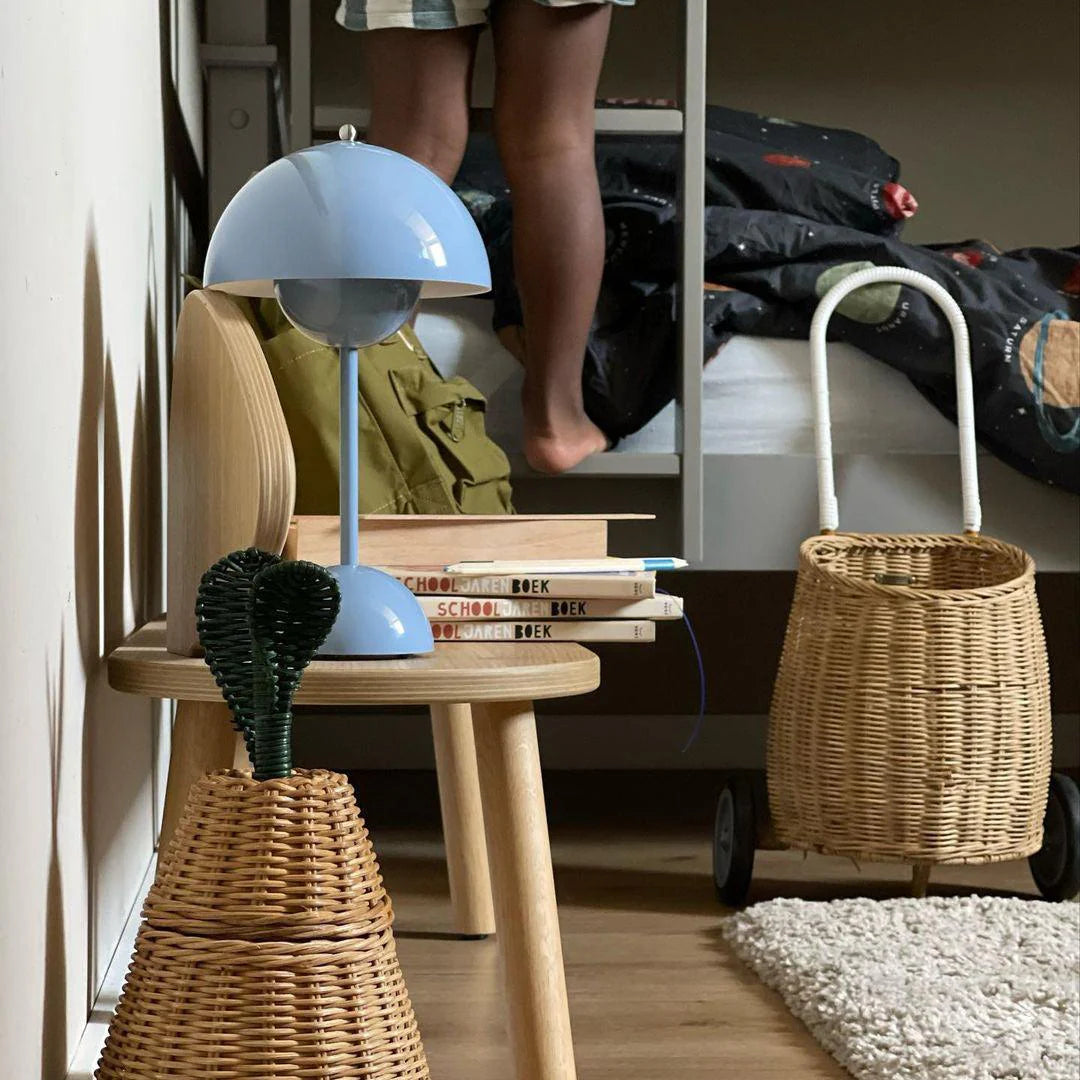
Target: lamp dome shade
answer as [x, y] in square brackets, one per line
[346, 210]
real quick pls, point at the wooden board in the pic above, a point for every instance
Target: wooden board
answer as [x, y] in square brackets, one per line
[232, 476]
[439, 539]
[452, 674]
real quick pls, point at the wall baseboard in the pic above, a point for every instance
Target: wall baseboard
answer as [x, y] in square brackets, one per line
[85, 1060]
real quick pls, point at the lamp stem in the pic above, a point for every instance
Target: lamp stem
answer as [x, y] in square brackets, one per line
[348, 485]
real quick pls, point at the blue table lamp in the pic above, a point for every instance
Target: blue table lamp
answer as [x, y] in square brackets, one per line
[349, 237]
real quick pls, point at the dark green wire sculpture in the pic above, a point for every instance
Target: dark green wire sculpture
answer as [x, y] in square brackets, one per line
[260, 622]
[221, 616]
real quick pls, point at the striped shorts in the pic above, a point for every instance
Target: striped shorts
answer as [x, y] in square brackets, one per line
[432, 14]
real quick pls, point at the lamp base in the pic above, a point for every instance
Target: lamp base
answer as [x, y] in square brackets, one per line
[379, 617]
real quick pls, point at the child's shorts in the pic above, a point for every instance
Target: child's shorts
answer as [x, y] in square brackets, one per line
[432, 14]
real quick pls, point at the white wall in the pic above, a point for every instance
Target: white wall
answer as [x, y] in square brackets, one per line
[86, 300]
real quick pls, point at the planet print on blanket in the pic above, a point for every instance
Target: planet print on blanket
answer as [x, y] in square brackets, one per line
[872, 304]
[787, 161]
[1050, 364]
[1059, 384]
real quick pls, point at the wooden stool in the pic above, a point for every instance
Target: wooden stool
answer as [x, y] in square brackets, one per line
[485, 736]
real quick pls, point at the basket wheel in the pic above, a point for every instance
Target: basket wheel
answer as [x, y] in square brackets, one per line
[734, 840]
[1056, 865]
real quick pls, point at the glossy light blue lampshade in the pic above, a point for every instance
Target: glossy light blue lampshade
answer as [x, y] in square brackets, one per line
[349, 237]
[346, 210]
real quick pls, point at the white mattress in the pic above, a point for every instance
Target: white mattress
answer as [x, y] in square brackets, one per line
[756, 394]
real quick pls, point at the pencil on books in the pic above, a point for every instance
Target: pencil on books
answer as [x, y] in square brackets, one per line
[607, 565]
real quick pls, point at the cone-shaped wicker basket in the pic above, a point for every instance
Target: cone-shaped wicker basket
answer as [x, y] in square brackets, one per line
[266, 948]
[911, 714]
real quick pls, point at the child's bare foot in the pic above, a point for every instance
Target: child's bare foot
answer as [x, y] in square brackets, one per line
[555, 448]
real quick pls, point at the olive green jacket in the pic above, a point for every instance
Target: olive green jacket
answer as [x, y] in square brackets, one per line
[423, 448]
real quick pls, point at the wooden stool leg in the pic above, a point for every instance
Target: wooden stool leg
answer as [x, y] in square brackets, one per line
[463, 820]
[528, 922]
[203, 739]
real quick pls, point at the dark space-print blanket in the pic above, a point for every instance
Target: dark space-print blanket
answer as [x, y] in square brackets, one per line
[791, 209]
[1021, 308]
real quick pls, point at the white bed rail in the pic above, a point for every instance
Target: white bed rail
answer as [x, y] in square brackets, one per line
[691, 283]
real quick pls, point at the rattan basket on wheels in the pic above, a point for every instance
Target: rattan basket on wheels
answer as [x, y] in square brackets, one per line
[911, 715]
[266, 948]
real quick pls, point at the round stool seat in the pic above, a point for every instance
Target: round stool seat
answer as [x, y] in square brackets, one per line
[453, 673]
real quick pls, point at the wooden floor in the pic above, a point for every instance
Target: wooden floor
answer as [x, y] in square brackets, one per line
[654, 993]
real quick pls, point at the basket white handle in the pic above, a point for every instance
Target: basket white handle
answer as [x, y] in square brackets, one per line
[965, 406]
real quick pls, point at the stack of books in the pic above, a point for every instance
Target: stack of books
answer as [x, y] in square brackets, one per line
[603, 599]
[547, 577]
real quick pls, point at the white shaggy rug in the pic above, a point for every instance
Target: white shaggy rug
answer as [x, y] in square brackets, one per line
[936, 989]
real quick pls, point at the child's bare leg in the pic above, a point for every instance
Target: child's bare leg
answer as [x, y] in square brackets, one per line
[420, 93]
[547, 66]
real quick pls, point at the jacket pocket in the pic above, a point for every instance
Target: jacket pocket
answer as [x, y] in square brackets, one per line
[450, 412]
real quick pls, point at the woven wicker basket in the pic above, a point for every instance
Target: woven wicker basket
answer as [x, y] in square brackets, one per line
[266, 948]
[911, 714]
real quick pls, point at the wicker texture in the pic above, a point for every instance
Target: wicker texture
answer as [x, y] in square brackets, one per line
[911, 721]
[300, 862]
[267, 947]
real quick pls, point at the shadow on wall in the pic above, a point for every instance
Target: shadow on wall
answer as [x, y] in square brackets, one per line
[102, 773]
[116, 741]
[145, 567]
[54, 1006]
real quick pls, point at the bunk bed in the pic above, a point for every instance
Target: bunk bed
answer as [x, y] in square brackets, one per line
[728, 466]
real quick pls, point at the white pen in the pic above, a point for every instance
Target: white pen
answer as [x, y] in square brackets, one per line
[609, 565]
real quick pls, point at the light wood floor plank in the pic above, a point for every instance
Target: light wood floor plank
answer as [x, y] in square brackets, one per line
[654, 993]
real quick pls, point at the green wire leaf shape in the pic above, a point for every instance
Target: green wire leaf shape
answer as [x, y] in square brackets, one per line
[222, 620]
[292, 608]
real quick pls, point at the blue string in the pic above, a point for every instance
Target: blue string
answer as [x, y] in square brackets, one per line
[701, 677]
[1062, 441]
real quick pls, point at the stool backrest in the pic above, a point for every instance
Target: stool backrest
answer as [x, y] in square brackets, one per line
[232, 474]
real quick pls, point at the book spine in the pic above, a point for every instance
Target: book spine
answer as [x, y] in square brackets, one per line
[561, 586]
[621, 630]
[475, 608]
